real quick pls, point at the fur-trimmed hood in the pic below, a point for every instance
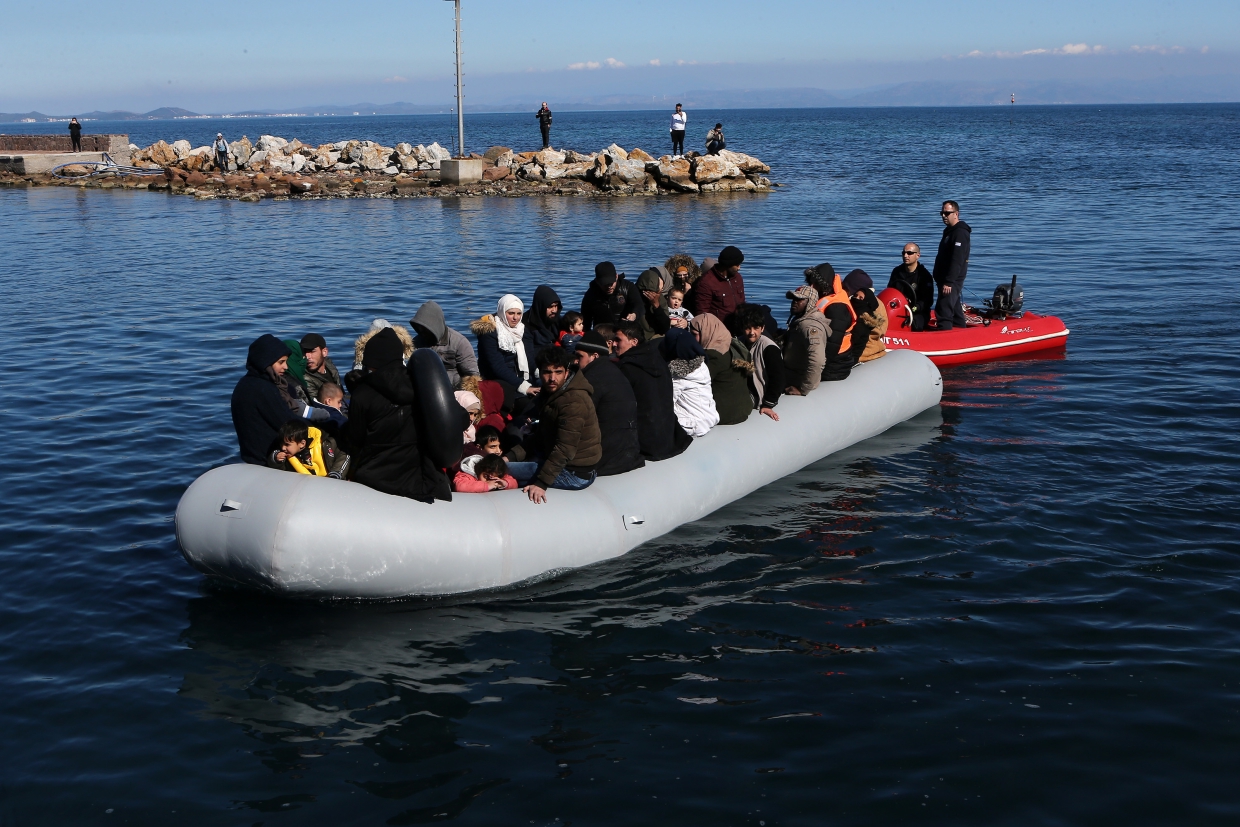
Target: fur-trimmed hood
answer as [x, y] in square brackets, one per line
[680, 368]
[359, 347]
[483, 326]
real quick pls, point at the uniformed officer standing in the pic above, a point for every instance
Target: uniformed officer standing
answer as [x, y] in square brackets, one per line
[950, 266]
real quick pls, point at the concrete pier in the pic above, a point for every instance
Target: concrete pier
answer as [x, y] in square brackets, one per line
[34, 154]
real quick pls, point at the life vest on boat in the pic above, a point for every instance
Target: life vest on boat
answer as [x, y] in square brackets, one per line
[317, 467]
[840, 297]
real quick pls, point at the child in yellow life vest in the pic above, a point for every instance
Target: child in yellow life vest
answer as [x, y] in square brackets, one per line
[307, 450]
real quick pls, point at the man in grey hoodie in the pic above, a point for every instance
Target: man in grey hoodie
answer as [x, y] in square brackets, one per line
[430, 330]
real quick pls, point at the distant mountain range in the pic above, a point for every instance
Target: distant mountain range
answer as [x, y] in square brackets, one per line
[1209, 89]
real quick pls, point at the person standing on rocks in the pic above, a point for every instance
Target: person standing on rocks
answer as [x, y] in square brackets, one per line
[75, 134]
[544, 123]
[221, 151]
[680, 120]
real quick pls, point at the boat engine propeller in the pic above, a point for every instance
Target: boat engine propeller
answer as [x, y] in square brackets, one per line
[1007, 300]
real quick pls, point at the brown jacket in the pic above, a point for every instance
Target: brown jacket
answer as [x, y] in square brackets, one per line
[805, 350]
[877, 323]
[567, 435]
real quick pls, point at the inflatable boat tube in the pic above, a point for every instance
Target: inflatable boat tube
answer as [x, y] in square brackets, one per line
[440, 418]
[295, 534]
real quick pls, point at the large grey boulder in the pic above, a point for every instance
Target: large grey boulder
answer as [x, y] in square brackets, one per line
[182, 149]
[746, 163]
[707, 169]
[241, 150]
[270, 142]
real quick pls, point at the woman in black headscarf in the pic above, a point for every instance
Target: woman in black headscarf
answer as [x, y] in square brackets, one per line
[542, 322]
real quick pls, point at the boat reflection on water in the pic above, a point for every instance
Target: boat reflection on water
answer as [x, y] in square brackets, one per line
[401, 679]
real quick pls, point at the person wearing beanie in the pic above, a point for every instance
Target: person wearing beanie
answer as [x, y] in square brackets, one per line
[320, 370]
[261, 402]
[834, 305]
[614, 403]
[805, 352]
[871, 326]
[611, 299]
[542, 321]
[720, 290]
[692, 398]
[382, 434]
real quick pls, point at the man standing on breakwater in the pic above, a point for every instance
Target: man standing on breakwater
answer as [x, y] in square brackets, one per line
[950, 266]
[680, 119]
[75, 134]
[221, 151]
[544, 123]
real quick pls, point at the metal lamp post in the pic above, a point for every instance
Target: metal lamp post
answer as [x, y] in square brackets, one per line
[460, 88]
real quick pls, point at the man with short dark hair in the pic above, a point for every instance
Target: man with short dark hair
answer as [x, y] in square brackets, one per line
[721, 289]
[320, 370]
[611, 298]
[913, 280]
[950, 267]
[544, 124]
[680, 120]
[566, 443]
[658, 430]
[614, 404]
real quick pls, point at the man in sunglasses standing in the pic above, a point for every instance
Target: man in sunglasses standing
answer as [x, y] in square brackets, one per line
[950, 267]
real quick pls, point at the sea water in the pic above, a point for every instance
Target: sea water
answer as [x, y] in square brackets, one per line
[1018, 608]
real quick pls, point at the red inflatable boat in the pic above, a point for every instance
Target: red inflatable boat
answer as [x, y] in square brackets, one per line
[1001, 331]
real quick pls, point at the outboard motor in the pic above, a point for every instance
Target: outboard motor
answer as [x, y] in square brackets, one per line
[1007, 300]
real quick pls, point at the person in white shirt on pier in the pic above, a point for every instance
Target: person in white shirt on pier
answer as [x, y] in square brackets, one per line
[680, 119]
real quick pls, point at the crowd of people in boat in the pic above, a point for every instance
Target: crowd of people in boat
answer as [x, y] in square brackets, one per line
[553, 398]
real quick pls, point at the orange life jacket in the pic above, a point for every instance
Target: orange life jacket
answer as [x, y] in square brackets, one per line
[840, 297]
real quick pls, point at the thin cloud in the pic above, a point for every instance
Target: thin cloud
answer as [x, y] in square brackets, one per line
[395, 79]
[655, 62]
[591, 65]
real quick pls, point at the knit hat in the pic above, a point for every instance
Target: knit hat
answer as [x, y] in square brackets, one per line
[730, 257]
[311, 341]
[604, 274]
[805, 291]
[383, 348]
[857, 280]
[593, 342]
[467, 400]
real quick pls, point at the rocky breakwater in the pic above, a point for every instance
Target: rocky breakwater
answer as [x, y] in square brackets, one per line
[278, 167]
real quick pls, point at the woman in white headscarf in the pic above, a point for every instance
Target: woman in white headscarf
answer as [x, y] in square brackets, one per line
[501, 352]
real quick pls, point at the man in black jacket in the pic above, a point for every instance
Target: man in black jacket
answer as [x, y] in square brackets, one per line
[658, 430]
[950, 266]
[382, 433]
[614, 403]
[611, 299]
[544, 124]
[258, 406]
[913, 280]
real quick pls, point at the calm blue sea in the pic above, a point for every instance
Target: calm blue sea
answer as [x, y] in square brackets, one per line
[1019, 608]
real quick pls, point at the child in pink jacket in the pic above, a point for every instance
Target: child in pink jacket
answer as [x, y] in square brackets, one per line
[483, 473]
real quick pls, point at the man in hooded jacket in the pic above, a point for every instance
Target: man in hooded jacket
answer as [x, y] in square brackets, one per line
[614, 403]
[432, 331]
[611, 299]
[382, 433]
[658, 431]
[542, 322]
[259, 407]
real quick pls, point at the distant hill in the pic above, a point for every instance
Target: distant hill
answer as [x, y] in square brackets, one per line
[161, 114]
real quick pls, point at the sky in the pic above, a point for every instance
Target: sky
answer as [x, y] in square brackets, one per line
[229, 57]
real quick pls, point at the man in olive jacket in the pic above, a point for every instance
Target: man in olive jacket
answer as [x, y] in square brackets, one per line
[567, 443]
